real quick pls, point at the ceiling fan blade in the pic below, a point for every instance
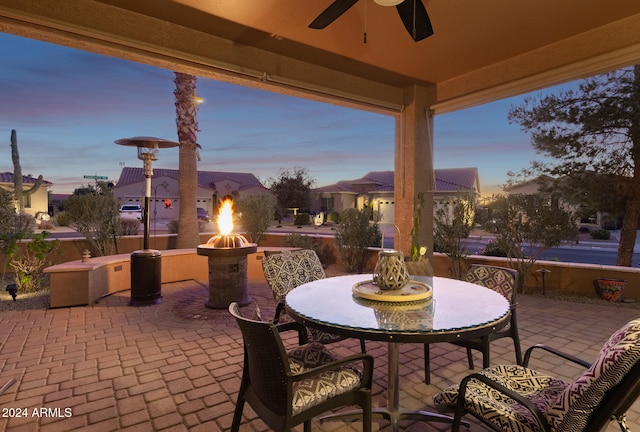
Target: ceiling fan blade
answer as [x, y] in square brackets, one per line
[332, 13]
[415, 19]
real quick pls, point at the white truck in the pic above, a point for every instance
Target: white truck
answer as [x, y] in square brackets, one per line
[131, 211]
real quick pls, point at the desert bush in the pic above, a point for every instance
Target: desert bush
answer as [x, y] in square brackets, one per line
[324, 252]
[356, 232]
[130, 226]
[302, 219]
[62, 219]
[29, 265]
[493, 249]
[46, 225]
[333, 217]
[256, 214]
[600, 234]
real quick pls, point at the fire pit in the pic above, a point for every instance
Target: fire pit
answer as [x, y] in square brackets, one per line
[227, 254]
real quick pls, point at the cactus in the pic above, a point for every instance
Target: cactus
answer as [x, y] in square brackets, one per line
[18, 190]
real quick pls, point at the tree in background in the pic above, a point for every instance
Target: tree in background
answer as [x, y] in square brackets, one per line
[450, 226]
[528, 225]
[93, 212]
[256, 214]
[292, 188]
[357, 231]
[593, 136]
[187, 123]
[13, 227]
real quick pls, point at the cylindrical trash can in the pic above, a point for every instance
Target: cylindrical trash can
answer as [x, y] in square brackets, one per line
[146, 277]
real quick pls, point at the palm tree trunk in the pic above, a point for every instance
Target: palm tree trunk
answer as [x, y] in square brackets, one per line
[187, 124]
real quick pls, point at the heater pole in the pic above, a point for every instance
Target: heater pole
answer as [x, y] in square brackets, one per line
[148, 172]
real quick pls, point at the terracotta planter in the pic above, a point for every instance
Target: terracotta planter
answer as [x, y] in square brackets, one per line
[611, 289]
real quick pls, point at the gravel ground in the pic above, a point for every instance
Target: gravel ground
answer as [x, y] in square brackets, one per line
[24, 301]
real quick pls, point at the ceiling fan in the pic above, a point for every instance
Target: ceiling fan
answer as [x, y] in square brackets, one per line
[412, 13]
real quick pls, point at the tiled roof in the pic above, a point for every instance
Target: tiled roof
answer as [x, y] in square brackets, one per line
[206, 179]
[456, 179]
[7, 177]
[447, 180]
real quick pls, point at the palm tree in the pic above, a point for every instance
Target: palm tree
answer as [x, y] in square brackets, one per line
[187, 123]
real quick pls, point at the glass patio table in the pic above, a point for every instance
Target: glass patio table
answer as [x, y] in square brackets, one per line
[457, 310]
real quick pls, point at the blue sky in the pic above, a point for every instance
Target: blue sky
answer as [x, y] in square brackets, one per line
[69, 106]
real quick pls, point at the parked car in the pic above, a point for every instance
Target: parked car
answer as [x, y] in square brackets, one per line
[203, 214]
[131, 211]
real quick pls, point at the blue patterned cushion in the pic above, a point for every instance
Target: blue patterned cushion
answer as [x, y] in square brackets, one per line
[615, 360]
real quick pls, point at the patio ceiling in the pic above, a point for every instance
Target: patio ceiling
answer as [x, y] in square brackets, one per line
[481, 50]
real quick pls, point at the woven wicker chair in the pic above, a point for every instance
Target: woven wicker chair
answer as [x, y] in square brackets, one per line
[286, 389]
[510, 398]
[287, 270]
[504, 281]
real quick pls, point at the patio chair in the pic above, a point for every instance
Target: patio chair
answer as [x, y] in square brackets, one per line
[516, 398]
[286, 389]
[287, 270]
[504, 281]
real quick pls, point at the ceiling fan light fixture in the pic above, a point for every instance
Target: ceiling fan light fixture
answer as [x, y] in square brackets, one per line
[388, 2]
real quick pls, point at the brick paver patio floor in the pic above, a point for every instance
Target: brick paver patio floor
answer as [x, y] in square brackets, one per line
[176, 366]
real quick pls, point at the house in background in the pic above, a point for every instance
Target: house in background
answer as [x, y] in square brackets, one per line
[165, 195]
[376, 189]
[33, 203]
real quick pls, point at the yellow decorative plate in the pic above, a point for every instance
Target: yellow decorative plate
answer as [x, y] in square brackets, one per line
[412, 291]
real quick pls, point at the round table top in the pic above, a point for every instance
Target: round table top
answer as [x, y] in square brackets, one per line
[457, 310]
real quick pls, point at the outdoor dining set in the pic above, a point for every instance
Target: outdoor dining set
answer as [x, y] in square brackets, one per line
[289, 384]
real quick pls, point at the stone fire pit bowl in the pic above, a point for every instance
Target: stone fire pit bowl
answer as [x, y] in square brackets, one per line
[227, 269]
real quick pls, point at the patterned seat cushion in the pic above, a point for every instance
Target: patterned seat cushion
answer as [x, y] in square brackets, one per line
[289, 269]
[500, 410]
[616, 358]
[566, 407]
[311, 392]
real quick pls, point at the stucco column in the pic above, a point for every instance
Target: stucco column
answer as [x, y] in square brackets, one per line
[414, 170]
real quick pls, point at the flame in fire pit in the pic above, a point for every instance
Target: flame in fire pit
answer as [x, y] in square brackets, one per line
[225, 217]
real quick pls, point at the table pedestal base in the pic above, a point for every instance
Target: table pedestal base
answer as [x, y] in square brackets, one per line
[394, 417]
[393, 413]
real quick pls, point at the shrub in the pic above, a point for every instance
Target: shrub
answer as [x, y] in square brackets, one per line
[333, 217]
[600, 234]
[29, 265]
[324, 252]
[302, 219]
[62, 219]
[492, 249]
[256, 213]
[356, 232]
[46, 225]
[130, 226]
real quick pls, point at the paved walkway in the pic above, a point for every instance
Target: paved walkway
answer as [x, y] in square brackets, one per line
[176, 366]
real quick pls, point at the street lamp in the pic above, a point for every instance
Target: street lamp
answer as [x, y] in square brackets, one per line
[146, 279]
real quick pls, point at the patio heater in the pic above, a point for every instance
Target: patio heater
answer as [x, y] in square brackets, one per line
[146, 277]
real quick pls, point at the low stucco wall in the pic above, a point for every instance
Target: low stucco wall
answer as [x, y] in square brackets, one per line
[78, 283]
[570, 277]
[85, 282]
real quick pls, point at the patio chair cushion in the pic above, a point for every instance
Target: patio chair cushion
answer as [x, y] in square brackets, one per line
[289, 269]
[501, 411]
[616, 358]
[308, 356]
[311, 392]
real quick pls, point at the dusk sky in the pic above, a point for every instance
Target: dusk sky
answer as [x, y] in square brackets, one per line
[69, 106]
